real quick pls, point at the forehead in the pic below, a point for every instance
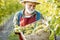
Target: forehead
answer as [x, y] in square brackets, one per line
[31, 3]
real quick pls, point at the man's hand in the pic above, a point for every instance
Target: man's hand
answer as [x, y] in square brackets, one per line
[17, 29]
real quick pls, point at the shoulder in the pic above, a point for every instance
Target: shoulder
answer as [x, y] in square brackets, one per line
[37, 12]
[39, 15]
[18, 12]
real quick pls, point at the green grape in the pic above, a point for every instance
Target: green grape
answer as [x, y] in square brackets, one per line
[28, 32]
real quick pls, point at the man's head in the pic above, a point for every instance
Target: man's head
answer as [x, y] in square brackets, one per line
[30, 5]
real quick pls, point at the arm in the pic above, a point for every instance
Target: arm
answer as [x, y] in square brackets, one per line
[15, 23]
[15, 20]
[44, 21]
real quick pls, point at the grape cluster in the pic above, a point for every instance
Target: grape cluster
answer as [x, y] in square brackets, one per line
[30, 28]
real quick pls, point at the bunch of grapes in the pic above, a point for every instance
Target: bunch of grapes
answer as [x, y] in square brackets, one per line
[40, 32]
[34, 27]
[25, 30]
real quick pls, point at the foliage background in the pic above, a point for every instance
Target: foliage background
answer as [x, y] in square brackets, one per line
[50, 9]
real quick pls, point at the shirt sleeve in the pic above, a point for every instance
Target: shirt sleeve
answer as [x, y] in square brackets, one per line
[15, 19]
[41, 16]
[44, 21]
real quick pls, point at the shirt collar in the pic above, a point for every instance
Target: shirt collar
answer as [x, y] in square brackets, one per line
[34, 13]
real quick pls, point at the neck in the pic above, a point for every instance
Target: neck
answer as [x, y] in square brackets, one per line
[26, 13]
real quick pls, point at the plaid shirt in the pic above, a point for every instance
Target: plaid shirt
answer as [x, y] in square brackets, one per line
[15, 20]
[27, 30]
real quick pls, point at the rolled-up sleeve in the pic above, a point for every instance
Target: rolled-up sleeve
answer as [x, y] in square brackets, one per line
[15, 19]
[44, 21]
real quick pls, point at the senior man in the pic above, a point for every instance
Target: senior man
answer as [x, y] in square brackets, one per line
[28, 15]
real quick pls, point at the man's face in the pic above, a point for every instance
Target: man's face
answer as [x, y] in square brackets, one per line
[30, 7]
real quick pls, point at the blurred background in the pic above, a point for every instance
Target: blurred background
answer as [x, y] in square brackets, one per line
[50, 9]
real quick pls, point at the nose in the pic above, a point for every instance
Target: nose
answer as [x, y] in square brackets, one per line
[32, 7]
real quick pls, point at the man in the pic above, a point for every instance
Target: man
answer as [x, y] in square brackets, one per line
[28, 15]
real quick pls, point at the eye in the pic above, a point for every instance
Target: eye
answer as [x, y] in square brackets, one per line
[33, 5]
[30, 5]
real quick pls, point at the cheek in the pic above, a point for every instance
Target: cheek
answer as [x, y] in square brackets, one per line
[33, 7]
[28, 7]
